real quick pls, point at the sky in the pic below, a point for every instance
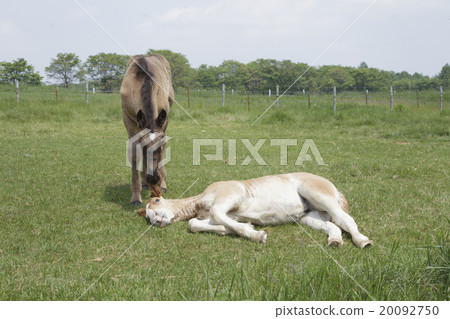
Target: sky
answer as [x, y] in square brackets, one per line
[393, 35]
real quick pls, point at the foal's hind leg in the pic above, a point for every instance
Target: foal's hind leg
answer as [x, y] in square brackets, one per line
[321, 221]
[347, 223]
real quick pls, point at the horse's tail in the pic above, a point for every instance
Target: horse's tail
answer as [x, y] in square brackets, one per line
[343, 202]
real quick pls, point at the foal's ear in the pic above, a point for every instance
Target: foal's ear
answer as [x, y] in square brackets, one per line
[141, 212]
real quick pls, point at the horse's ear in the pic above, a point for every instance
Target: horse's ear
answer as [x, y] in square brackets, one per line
[155, 190]
[141, 212]
[140, 119]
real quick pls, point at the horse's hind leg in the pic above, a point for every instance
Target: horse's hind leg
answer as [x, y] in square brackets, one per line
[321, 221]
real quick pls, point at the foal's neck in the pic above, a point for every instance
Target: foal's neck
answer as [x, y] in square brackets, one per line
[185, 208]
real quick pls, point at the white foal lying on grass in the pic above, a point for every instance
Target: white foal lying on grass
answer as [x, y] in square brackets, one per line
[231, 207]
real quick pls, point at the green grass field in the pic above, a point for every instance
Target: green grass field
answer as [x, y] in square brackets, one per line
[67, 231]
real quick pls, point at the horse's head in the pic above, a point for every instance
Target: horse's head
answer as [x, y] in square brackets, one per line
[158, 211]
[153, 144]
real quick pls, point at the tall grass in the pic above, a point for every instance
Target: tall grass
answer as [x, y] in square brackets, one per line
[65, 215]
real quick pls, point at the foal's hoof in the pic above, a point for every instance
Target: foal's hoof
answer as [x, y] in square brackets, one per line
[263, 237]
[335, 242]
[136, 203]
[365, 244]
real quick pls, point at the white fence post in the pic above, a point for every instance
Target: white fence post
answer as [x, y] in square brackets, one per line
[87, 92]
[392, 98]
[270, 92]
[223, 95]
[278, 93]
[334, 98]
[17, 91]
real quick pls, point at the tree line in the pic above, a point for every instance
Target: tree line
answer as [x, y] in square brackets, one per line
[106, 70]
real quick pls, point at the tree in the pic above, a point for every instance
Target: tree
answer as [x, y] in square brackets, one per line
[182, 73]
[207, 76]
[444, 76]
[233, 74]
[106, 69]
[335, 75]
[19, 70]
[265, 74]
[363, 65]
[66, 68]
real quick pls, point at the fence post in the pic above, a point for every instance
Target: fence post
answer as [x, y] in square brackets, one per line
[334, 98]
[417, 98]
[309, 102]
[189, 100]
[270, 92]
[440, 100]
[392, 98]
[278, 92]
[87, 92]
[248, 101]
[367, 97]
[56, 93]
[223, 95]
[17, 91]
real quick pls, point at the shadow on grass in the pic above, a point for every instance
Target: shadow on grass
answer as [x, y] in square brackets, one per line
[120, 195]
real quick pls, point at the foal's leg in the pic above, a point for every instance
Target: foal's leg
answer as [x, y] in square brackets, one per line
[219, 217]
[206, 225]
[343, 220]
[321, 221]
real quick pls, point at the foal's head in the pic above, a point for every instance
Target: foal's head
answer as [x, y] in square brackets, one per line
[158, 211]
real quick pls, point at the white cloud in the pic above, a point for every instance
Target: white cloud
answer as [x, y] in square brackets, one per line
[395, 35]
[8, 29]
[248, 29]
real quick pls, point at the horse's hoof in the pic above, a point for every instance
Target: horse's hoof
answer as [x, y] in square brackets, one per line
[136, 203]
[335, 242]
[145, 186]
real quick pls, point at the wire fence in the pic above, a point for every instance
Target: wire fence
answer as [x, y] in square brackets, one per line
[190, 98]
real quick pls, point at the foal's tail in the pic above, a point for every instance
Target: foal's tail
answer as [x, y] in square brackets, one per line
[343, 202]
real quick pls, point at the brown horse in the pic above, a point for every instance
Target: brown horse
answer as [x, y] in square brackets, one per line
[147, 95]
